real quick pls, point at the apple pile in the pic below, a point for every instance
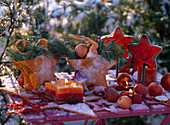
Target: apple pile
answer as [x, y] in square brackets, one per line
[155, 89]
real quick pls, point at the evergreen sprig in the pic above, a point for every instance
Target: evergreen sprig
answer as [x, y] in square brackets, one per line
[56, 48]
[110, 51]
[32, 51]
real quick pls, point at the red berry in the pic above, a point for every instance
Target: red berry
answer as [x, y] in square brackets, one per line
[21, 80]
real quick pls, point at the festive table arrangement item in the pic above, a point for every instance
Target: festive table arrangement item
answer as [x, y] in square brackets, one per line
[121, 40]
[65, 91]
[165, 81]
[145, 54]
[93, 89]
[92, 67]
[33, 71]
[150, 74]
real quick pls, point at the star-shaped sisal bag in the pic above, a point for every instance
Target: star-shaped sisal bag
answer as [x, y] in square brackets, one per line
[144, 52]
[38, 70]
[120, 38]
[93, 67]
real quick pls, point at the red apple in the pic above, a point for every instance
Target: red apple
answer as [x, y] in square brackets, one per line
[99, 90]
[140, 89]
[155, 89]
[123, 78]
[124, 102]
[112, 95]
[21, 80]
[81, 50]
[165, 81]
[112, 86]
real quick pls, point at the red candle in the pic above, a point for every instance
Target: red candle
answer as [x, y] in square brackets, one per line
[68, 91]
[150, 75]
[135, 97]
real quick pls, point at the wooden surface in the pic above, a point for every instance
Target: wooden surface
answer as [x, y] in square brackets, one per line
[57, 116]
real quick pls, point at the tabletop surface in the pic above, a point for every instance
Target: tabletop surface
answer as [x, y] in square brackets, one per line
[109, 110]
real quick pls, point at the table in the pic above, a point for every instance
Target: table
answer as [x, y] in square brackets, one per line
[58, 120]
[57, 116]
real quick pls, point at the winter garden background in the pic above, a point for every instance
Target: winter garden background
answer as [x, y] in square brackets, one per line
[50, 19]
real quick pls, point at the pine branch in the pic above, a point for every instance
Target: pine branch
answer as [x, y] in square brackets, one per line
[55, 48]
[59, 49]
[110, 51]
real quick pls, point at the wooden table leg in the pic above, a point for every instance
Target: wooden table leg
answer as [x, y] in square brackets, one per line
[98, 121]
[102, 121]
[86, 122]
[166, 120]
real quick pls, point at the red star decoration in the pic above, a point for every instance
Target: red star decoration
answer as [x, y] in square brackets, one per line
[120, 39]
[144, 53]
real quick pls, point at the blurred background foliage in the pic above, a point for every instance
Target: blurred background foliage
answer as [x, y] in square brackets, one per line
[34, 19]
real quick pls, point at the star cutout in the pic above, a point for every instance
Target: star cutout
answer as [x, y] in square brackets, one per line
[37, 71]
[93, 67]
[121, 39]
[144, 52]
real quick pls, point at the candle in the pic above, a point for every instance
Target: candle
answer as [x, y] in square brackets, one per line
[130, 92]
[65, 91]
[125, 86]
[150, 75]
[135, 97]
[123, 78]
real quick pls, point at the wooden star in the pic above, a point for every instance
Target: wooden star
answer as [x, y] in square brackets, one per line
[121, 39]
[144, 52]
[37, 71]
[93, 67]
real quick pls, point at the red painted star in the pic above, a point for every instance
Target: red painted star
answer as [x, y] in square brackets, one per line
[144, 52]
[120, 39]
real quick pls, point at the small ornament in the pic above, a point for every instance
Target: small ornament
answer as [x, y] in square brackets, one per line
[82, 50]
[121, 39]
[144, 54]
